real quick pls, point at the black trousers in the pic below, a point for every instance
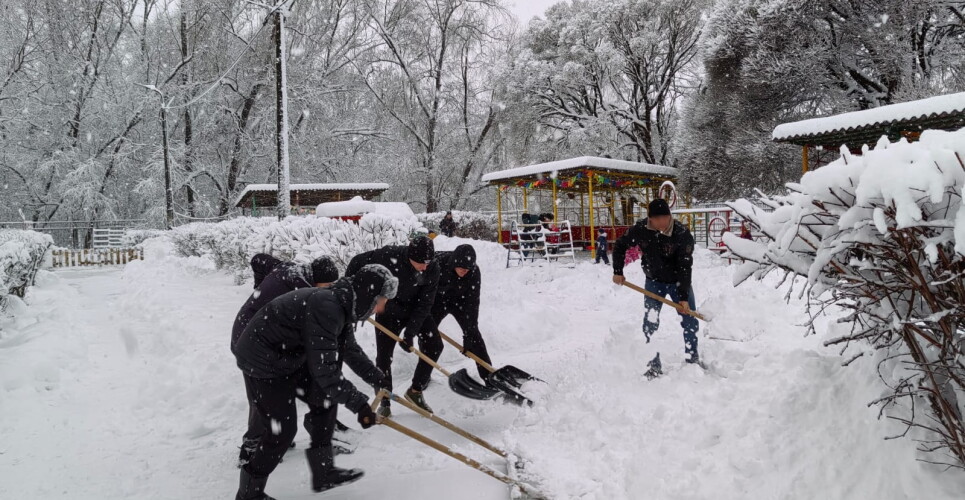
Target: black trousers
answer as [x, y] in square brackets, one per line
[257, 426]
[274, 403]
[468, 320]
[429, 343]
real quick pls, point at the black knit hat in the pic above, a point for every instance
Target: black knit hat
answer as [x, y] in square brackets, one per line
[421, 249]
[324, 270]
[464, 256]
[658, 207]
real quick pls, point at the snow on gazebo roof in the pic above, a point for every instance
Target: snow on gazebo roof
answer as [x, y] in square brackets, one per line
[581, 162]
[946, 112]
[313, 193]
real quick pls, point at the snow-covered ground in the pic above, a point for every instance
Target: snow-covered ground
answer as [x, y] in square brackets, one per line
[119, 384]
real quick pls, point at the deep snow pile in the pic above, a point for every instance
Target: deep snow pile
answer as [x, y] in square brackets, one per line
[128, 390]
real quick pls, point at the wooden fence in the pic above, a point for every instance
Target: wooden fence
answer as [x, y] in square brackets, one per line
[96, 257]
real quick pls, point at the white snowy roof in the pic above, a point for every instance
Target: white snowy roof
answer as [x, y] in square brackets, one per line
[358, 206]
[918, 111]
[343, 186]
[582, 162]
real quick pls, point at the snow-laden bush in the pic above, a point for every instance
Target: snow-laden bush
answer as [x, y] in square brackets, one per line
[473, 225]
[21, 255]
[882, 235]
[232, 243]
[134, 237]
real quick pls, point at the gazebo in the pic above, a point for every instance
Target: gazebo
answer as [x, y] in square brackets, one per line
[591, 190]
[857, 128]
[309, 196]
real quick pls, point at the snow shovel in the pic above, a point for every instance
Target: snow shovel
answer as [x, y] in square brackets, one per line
[388, 422]
[463, 386]
[665, 301]
[507, 379]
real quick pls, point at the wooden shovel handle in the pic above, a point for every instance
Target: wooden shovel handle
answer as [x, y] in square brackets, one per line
[466, 353]
[388, 422]
[417, 352]
[670, 303]
[448, 425]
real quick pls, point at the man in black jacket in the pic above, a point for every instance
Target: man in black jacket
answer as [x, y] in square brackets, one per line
[448, 225]
[274, 278]
[418, 276]
[667, 249]
[309, 333]
[460, 285]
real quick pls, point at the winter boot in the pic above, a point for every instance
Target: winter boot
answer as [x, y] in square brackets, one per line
[325, 475]
[656, 368]
[252, 487]
[384, 411]
[694, 359]
[415, 397]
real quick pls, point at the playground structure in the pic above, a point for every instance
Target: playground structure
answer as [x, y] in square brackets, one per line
[591, 193]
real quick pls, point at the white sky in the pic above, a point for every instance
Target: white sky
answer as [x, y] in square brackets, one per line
[527, 9]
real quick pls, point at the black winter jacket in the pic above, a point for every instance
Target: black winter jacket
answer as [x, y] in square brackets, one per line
[313, 327]
[667, 259]
[417, 291]
[458, 292]
[284, 278]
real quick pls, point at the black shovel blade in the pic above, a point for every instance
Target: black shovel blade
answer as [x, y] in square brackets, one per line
[508, 390]
[513, 376]
[464, 385]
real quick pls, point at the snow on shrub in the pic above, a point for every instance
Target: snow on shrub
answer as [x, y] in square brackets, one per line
[473, 225]
[134, 237]
[232, 243]
[882, 235]
[21, 255]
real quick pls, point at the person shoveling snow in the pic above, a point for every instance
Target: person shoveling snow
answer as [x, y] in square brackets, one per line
[667, 249]
[299, 340]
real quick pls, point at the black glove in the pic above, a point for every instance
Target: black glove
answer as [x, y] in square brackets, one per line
[406, 345]
[366, 417]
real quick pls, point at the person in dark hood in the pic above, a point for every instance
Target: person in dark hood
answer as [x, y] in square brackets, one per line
[261, 265]
[418, 275]
[460, 286]
[667, 249]
[448, 225]
[276, 279]
[309, 333]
